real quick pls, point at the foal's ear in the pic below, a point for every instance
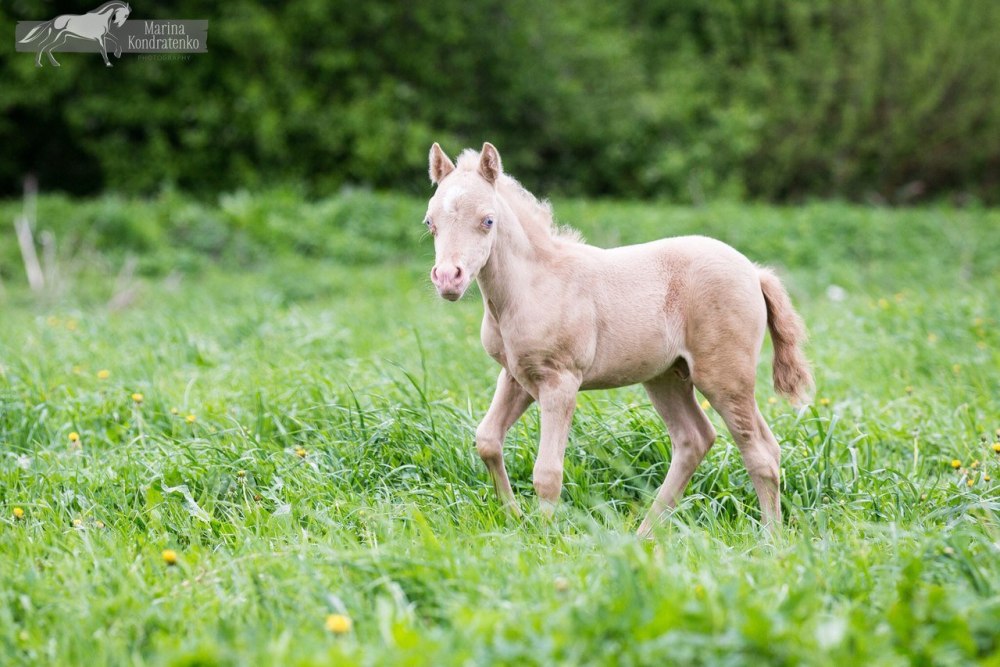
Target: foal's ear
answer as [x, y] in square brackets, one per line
[439, 164]
[489, 163]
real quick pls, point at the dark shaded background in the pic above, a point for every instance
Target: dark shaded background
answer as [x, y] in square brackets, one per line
[885, 100]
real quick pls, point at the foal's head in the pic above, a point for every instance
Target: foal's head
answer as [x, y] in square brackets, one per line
[462, 218]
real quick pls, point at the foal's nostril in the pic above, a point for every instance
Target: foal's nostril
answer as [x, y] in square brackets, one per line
[434, 273]
[458, 272]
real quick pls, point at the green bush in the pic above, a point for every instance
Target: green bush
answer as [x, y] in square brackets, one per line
[772, 99]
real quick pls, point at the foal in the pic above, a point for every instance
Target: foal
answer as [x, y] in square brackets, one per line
[562, 316]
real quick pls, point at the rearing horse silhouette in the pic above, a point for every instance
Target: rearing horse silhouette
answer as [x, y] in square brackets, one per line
[94, 26]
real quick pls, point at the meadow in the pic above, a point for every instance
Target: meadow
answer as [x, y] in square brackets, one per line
[241, 432]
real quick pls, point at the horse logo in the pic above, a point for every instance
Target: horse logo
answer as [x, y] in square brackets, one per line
[93, 26]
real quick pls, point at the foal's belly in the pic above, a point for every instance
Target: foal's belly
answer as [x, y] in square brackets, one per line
[625, 359]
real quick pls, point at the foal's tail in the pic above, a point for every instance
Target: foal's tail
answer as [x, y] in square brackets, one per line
[788, 333]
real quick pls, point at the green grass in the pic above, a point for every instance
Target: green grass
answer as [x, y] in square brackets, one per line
[279, 336]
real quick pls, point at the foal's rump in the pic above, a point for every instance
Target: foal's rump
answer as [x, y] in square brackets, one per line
[726, 302]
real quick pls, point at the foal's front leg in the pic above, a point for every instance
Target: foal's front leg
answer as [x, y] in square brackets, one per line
[509, 403]
[557, 399]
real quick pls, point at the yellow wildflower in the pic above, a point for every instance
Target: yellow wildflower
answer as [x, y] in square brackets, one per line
[77, 523]
[300, 452]
[970, 482]
[190, 419]
[18, 513]
[772, 400]
[137, 397]
[996, 447]
[824, 401]
[74, 437]
[174, 411]
[99, 524]
[338, 624]
[169, 556]
[561, 584]
[931, 338]
[103, 374]
[956, 464]
[705, 405]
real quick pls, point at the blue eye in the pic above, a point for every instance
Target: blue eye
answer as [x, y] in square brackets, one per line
[427, 222]
[487, 222]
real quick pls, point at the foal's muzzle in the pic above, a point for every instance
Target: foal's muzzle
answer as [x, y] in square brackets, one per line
[450, 280]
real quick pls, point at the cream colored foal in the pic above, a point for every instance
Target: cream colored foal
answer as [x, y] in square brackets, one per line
[562, 316]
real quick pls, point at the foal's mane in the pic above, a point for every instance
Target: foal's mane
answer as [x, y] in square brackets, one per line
[538, 213]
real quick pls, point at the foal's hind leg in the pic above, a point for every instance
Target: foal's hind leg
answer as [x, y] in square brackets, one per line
[509, 403]
[732, 396]
[691, 436]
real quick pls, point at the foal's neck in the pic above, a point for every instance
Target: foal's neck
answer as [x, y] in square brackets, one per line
[518, 254]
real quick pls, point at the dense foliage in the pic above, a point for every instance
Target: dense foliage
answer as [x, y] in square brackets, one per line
[772, 99]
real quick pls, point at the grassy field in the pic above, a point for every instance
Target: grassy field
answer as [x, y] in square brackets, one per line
[278, 401]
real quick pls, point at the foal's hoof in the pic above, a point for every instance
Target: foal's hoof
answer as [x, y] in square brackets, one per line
[547, 508]
[513, 509]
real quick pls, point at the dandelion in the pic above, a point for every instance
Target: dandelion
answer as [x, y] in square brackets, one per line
[137, 397]
[99, 524]
[705, 405]
[975, 464]
[824, 401]
[338, 624]
[970, 482]
[74, 437]
[169, 556]
[996, 447]
[77, 523]
[956, 464]
[772, 400]
[18, 513]
[190, 419]
[300, 452]
[561, 584]
[103, 374]
[174, 411]
[986, 478]
[241, 473]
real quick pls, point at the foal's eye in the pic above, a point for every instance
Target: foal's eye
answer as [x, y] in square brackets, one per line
[427, 222]
[487, 222]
